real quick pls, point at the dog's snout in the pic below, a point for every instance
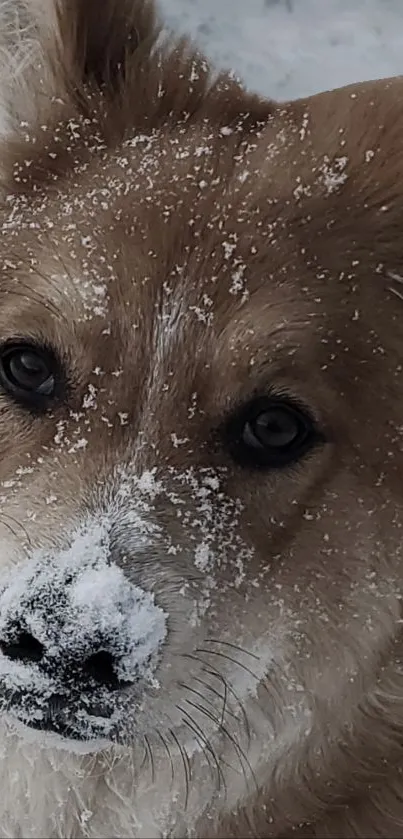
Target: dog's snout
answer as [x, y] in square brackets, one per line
[74, 626]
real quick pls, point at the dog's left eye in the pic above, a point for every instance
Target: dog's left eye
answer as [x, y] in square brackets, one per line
[271, 433]
[28, 373]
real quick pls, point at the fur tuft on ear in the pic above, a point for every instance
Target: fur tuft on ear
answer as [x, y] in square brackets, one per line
[55, 48]
[98, 39]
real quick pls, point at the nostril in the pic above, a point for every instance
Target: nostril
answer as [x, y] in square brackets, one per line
[24, 648]
[100, 667]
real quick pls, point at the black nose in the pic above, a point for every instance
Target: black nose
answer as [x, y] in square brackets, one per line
[99, 666]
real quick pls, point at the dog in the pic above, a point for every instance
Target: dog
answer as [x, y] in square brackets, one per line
[201, 390]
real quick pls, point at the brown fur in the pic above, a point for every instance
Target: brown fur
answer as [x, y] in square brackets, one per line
[310, 192]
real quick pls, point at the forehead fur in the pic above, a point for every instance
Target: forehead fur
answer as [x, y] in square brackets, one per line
[144, 188]
[149, 115]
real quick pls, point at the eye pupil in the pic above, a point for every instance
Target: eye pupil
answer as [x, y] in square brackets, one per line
[276, 427]
[28, 369]
[27, 372]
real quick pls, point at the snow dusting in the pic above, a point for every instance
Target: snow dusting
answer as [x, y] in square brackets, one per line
[75, 604]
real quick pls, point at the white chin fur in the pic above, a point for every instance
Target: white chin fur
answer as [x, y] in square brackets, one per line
[51, 740]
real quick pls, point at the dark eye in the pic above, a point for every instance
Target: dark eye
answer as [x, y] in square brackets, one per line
[28, 373]
[271, 433]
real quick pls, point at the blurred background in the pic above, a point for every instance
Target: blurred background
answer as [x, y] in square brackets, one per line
[291, 48]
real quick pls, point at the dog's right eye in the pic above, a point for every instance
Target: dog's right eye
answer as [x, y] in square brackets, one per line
[28, 373]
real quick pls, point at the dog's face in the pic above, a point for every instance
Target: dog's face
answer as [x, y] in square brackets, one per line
[200, 437]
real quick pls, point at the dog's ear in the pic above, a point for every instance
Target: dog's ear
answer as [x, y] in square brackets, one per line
[51, 50]
[60, 59]
[340, 186]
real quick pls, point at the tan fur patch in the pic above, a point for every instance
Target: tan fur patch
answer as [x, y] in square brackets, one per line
[184, 248]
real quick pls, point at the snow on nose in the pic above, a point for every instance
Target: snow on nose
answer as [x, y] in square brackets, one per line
[76, 612]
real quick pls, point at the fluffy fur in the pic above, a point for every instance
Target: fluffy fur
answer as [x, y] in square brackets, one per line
[186, 245]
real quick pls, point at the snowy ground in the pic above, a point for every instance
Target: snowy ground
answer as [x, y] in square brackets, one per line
[289, 48]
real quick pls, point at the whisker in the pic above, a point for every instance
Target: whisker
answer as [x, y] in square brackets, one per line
[224, 703]
[212, 671]
[19, 524]
[9, 528]
[218, 675]
[108, 759]
[238, 749]
[202, 745]
[394, 291]
[150, 756]
[186, 765]
[220, 696]
[233, 646]
[198, 731]
[167, 749]
[198, 693]
[229, 658]
[143, 762]
[392, 275]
